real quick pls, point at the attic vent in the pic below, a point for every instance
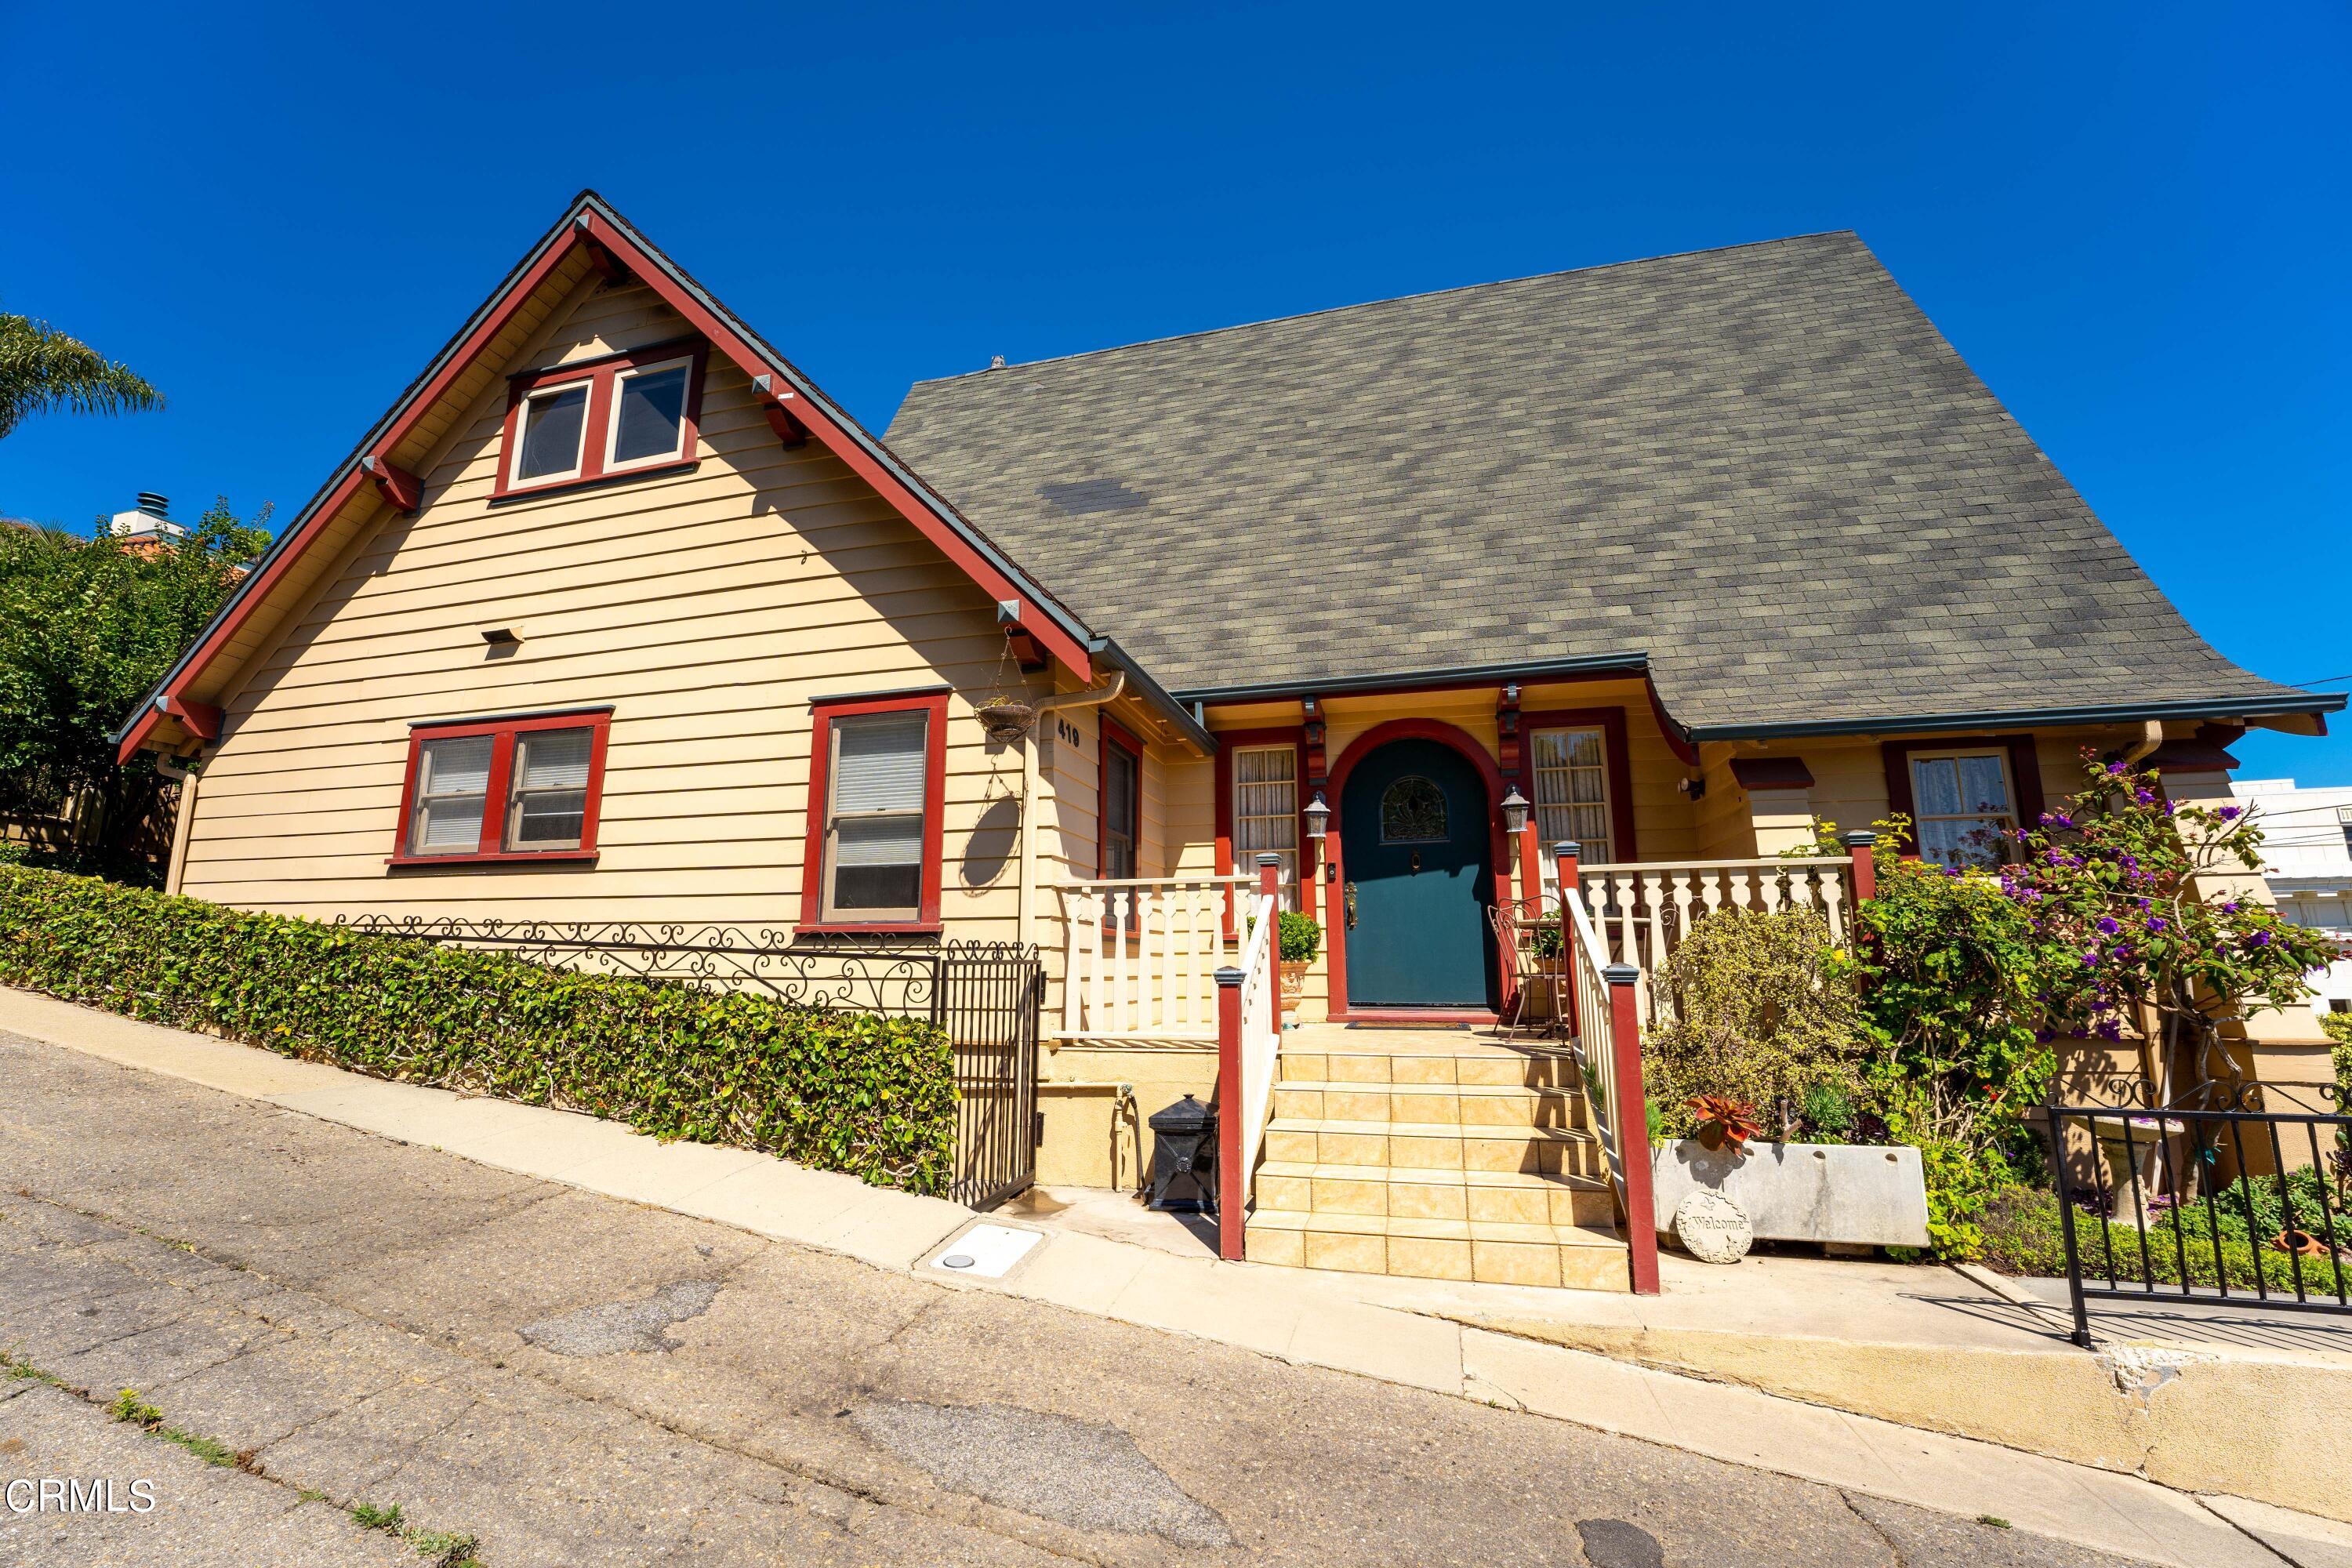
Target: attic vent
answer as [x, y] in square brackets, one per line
[1083, 497]
[153, 504]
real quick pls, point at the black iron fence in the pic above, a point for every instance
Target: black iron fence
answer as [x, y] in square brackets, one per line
[2222, 1201]
[985, 995]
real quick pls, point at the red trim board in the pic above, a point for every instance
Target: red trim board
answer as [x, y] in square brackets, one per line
[822, 713]
[587, 225]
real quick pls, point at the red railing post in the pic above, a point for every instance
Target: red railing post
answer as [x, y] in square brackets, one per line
[1269, 886]
[1231, 1190]
[1860, 844]
[1633, 1127]
[1563, 856]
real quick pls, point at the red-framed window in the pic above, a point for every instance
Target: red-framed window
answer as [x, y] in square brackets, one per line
[877, 782]
[1258, 772]
[617, 414]
[512, 789]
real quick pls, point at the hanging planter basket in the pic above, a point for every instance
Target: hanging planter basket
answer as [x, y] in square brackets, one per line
[1006, 721]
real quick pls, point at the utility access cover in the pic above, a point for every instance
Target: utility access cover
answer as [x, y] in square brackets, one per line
[989, 1251]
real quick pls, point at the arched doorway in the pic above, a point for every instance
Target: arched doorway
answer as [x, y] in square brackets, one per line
[1415, 830]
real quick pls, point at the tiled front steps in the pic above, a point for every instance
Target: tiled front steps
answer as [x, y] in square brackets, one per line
[1488, 1252]
[1437, 1158]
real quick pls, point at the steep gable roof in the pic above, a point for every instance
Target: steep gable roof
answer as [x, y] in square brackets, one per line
[1762, 467]
[380, 471]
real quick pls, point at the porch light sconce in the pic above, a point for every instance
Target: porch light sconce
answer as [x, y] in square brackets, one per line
[1515, 812]
[1318, 818]
[501, 636]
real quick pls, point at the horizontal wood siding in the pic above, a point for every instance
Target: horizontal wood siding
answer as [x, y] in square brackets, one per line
[706, 607]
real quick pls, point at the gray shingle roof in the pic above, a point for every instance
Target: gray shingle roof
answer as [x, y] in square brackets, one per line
[1763, 466]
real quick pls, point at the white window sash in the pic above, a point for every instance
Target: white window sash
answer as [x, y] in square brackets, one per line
[613, 417]
[586, 387]
[1592, 822]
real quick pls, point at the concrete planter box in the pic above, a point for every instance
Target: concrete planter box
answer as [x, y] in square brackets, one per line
[1860, 1195]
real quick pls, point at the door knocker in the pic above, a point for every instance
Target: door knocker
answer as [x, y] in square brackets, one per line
[1416, 862]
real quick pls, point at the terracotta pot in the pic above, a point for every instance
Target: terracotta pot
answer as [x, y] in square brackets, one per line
[2301, 1242]
[1294, 984]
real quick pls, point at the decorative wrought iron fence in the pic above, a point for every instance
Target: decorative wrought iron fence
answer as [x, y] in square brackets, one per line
[2212, 1199]
[985, 995]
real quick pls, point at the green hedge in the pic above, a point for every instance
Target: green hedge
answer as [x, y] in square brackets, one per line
[843, 1091]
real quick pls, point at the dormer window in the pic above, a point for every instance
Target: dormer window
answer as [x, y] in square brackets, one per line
[596, 419]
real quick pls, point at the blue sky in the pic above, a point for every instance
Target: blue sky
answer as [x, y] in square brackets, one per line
[2132, 221]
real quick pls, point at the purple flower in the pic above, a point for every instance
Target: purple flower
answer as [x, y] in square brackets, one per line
[2156, 923]
[2091, 959]
[2258, 939]
[2108, 1029]
[2231, 908]
[2230, 813]
[2114, 769]
[2107, 926]
[2056, 819]
[1954, 871]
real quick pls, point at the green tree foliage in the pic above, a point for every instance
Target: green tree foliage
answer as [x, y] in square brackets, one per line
[2111, 882]
[872, 1095]
[87, 626]
[42, 368]
[1953, 996]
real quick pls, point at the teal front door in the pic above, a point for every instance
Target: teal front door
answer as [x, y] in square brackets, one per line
[1413, 836]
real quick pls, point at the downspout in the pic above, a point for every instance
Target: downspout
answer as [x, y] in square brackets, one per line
[1093, 697]
[2151, 736]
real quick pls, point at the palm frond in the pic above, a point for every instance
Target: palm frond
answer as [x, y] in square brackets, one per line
[43, 369]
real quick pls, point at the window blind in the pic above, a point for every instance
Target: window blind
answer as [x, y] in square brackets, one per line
[553, 759]
[878, 763]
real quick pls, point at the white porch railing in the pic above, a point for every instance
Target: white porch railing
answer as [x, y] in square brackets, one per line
[1607, 1045]
[1140, 956]
[1639, 911]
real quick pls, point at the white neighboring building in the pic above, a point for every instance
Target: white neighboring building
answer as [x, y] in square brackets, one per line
[2308, 860]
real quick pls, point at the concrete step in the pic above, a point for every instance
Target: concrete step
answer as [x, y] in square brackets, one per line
[1578, 1256]
[1482, 1105]
[1432, 1145]
[1528, 1067]
[1513, 1198]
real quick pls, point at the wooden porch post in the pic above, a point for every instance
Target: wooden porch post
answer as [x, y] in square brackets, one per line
[1859, 844]
[1632, 1128]
[1563, 855]
[1231, 1192]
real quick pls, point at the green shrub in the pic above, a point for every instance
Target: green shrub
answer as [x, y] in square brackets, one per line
[2019, 1232]
[2022, 1235]
[871, 1096]
[1300, 936]
[1764, 1011]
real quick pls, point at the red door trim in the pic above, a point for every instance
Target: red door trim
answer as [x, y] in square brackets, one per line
[1499, 858]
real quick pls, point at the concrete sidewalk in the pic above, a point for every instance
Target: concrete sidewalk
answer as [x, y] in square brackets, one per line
[1490, 1347]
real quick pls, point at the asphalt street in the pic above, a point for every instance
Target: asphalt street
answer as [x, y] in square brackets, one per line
[346, 1324]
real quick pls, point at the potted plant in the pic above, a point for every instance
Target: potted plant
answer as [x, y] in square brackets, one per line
[1298, 938]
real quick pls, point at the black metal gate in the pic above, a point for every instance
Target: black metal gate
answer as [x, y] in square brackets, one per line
[987, 999]
[2221, 1203]
[986, 995]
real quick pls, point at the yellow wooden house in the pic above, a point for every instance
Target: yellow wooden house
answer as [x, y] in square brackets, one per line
[614, 616]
